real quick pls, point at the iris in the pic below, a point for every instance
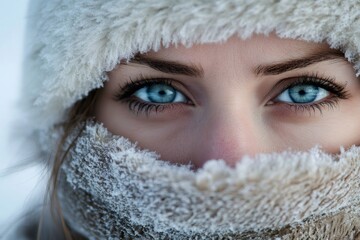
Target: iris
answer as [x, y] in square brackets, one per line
[303, 93]
[160, 93]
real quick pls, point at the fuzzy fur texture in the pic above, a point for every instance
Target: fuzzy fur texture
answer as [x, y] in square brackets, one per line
[72, 44]
[111, 189]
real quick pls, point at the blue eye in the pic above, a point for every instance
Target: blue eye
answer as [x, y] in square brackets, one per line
[303, 93]
[159, 93]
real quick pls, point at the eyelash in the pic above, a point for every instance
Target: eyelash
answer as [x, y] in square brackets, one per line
[125, 92]
[327, 83]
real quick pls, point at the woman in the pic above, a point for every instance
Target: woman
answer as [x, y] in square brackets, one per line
[218, 92]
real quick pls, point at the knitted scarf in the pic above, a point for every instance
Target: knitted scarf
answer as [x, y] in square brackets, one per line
[109, 188]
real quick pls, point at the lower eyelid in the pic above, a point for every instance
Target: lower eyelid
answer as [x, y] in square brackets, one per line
[167, 111]
[283, 109]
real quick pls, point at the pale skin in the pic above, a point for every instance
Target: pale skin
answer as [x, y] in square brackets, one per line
[236, 105]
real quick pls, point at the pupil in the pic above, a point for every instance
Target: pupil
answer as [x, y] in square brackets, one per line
[302, 92]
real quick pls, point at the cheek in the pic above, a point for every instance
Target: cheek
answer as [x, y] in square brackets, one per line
[330, 130]
[170, 140]
[168, 137]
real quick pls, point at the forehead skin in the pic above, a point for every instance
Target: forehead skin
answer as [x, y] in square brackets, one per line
[256, 50]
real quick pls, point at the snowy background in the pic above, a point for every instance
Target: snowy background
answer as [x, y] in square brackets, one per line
[17, 189]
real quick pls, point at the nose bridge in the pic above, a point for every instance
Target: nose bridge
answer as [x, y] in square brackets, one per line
[230, 133]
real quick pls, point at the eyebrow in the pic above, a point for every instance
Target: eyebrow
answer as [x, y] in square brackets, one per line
[171, 67]
[292, 64]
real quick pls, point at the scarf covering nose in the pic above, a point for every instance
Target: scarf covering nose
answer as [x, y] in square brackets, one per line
[109, 188]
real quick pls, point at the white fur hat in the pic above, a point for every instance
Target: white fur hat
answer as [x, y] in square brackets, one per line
[70, 45]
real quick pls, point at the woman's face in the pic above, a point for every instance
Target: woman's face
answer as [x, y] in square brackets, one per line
[242, 97]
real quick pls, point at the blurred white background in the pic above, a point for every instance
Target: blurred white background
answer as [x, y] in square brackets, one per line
[18, 189]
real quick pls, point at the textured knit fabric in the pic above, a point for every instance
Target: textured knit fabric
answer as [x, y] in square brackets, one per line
[111, 189]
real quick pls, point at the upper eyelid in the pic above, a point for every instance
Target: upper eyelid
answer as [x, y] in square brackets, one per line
[318, 79]
[324, 82]
[127, 89]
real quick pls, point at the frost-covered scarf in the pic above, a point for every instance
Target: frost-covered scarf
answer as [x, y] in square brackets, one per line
[111, 189]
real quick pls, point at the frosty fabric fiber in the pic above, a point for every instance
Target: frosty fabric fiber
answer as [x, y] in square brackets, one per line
[109, 189]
